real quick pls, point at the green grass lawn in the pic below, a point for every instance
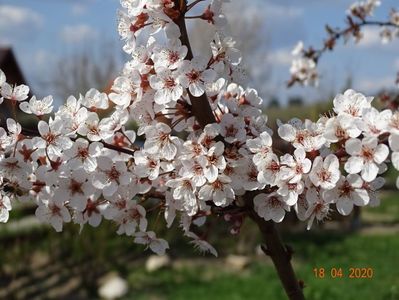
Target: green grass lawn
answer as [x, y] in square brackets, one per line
[258, 281]
[209, 278]
[387, 212]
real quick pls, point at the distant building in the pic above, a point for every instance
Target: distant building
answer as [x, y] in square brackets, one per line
[10, 67]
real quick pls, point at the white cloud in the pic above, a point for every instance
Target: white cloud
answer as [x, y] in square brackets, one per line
[265, 9]
[371, 37]
[282, 11]
[12, 16]
[77, 33]
[280, 57]
[78, 9]
[374, 84]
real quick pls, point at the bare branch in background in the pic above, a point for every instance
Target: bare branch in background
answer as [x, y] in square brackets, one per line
[84, 68]
[252, 42]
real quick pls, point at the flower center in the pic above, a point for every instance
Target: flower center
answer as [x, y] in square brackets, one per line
[187, 184]
[113, 174]
[324, 175]
[353, 110]
[173, 56]
[170, 83]
[274, 167]
[274, 202]
[367, 153]
[231, 131]
[50, 138]
[197, 169]
[345, 190]
[193, 76]
[91, 207]
[75, 187]
[83, 153]
[340, 133]
[55, 210]
[217, 185]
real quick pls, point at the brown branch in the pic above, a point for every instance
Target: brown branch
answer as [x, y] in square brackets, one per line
[353, 27]
[279, 253]
[200, 105]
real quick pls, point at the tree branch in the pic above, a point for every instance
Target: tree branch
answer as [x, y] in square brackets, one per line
[280, 255]
[200, 105]
[338, 34]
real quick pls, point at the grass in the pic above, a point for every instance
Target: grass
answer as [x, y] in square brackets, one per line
[204, 278]
[387, 212]
[302, 112]
[258, 281]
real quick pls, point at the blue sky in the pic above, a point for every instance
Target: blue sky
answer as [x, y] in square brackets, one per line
[42, 31]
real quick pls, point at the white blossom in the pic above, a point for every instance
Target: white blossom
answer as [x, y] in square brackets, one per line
[110, 175]
[5, 207]
[341, 128]
[294, 167]
[213, 161]
[149, 239]
[351, 103]
[159, 141]
[166, 86]
[95, 100]
[261, 146]
[195, 76]
[52, 137]
[270, 207]
[53, 212]
[325, 172]
[348, 192]
[219, 191]
[366, 155]
[16, 93]
[37, 107]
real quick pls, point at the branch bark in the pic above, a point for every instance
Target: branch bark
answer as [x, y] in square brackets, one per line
[200, 105]
[280, 254]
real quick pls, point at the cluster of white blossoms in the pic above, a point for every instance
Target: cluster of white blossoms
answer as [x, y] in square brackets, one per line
[81, 167]
[363, 9]
[304, 64]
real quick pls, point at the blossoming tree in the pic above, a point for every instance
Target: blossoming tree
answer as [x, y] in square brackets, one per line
[207, 152]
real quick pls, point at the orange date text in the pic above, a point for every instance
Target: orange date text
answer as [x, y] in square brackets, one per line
[339, 272]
